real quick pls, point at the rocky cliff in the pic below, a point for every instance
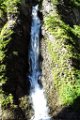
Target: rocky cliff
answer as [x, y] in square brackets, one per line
[61, 57]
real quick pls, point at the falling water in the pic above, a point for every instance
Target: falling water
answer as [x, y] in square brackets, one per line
[39, 103]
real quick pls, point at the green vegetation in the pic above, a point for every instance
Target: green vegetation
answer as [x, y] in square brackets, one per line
[4, 40]
[65, 54]
[7, 8]
[55, 2]
[75, 3]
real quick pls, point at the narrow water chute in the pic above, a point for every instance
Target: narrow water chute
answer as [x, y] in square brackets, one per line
[37, 93]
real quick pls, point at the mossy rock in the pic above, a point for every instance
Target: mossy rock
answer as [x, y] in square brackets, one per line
[64, 52]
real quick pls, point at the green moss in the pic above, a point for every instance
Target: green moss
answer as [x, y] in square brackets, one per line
[65, 54]
[7, 100]
[7, 8]
[75, 3]
[10, 6]
[5, 38]
[76, 30]
[55, 2]
[65, 77]
[71, 3]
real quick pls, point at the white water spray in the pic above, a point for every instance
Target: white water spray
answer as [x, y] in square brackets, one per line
[37, 93]
[39, 105]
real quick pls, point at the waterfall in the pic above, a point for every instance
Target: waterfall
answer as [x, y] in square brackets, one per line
[39, 102]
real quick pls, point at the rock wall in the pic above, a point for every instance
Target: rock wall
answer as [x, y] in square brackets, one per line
[14, 38]
[47, 63]
[70, 15]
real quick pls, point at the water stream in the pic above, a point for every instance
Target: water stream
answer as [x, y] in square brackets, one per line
[39, 102]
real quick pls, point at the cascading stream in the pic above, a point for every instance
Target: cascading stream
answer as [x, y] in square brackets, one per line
[37, 93]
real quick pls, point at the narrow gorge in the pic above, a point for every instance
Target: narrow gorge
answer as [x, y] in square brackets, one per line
[40, 60]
